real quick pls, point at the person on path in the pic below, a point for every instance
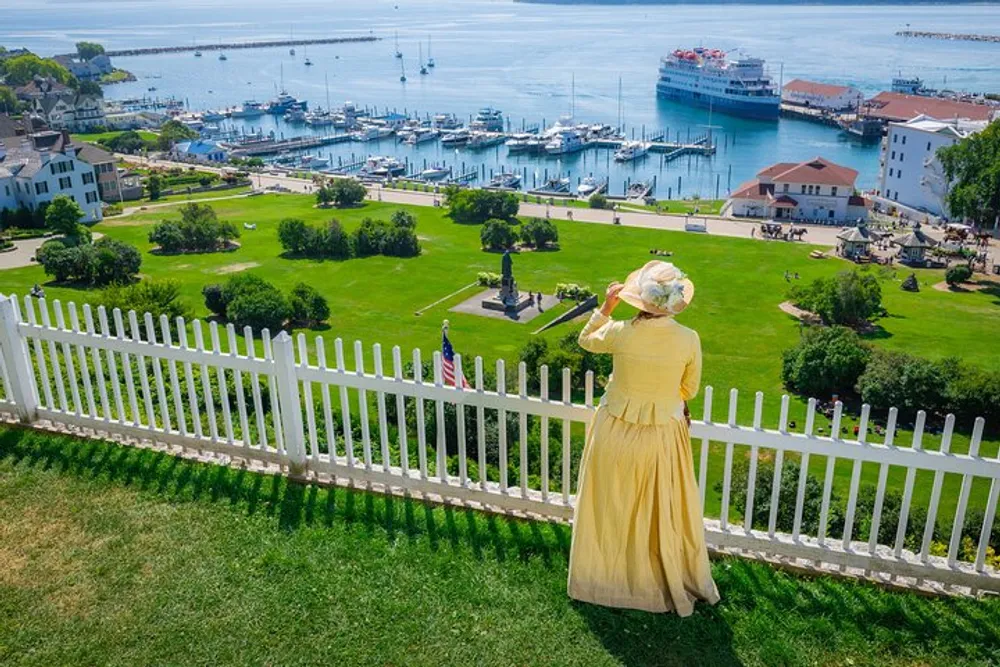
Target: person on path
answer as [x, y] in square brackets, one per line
[638, 530]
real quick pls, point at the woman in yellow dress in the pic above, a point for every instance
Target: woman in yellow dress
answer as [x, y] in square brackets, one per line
[638, 533]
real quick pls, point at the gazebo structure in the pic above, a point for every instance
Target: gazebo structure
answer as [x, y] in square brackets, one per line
[855, 242]
[913, 246]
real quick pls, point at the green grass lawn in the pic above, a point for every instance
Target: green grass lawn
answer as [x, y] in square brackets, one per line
[181, 196]
[96, 137]
[740, 284]
[119, 556]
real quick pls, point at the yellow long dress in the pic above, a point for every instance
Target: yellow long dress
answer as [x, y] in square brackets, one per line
[638, 532]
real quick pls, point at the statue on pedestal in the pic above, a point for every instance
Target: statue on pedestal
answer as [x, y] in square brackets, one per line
[508, 286]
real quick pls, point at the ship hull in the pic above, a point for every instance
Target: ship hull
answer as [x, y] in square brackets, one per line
[763, 110]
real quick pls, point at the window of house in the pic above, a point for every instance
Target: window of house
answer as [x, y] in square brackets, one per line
[904, 139]
[88, 177]
[65, 182]
[895, 137]
[803, 189]
[6, 189]
[829, 213]
[899, 174]
[785, 188]
[41, 188]
[890, 171]
[928, 145]
[900, 157]
[893, 156]
[91, 197]
[833, 191]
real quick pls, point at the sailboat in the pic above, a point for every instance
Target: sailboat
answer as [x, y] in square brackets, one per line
[430, 59]
[308, 62]
[423, 68]
[197, 52]
[399, 54]
[402, 70]
[291, 51]
[222, 55]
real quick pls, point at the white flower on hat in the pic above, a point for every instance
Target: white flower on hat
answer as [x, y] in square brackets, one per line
[665, 290]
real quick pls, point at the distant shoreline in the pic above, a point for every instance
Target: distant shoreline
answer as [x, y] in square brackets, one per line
[763, 2]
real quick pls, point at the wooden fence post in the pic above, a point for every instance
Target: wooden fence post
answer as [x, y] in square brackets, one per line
[289, 403]
[15, 355]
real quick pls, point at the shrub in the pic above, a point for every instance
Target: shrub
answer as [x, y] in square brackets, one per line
[154, 184]
[958, 274]
[156, 297]
[401, 242]
[479, 206]
[598, 200]
[341, 192]
[896, 379]
[103, 263]
[214, 300]
[294, 235]
[488, 279]
[116, 262]
[335, 243]
[307, 305]
[563, 353]
[498, 234]
[539, 233]
[198, 230]
[851, 298]
[369, 237]
[404, 219]
[573, 291]
[263, 309]
[827, 360]
[63, 216]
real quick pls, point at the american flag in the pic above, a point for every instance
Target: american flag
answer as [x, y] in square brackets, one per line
[448, 360]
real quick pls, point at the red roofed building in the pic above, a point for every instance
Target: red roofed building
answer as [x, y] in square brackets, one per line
[816, 190]
[820, 95]
[900, 107]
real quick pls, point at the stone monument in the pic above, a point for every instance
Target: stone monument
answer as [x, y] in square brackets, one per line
[508, 299]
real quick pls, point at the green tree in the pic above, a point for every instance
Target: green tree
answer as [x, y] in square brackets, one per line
[827, 360]
[129, 141]
[154, 185]
[22, 69]
[400, 242]
[294, 235]
[896, 379]
[168, 236]
[63, 216]
[91, 88]
[156, 297]
[335, 243]
[9, 103]
[478, 206]
[498, 235]
[958, 274]
[214, 300]
[88, 50]
[172, 132]
[539, 233]
[972, 167]
[851, 298]
[255, 303]
[347, 192]
[598, 200]
[369, 237]
[307, 305]
[404, 219]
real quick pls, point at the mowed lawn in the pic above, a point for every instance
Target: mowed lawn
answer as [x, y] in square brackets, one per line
[740, 283]
[118, 556]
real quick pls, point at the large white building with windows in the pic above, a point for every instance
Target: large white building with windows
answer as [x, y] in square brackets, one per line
[815, 191]
[911, 174]
[36, 168]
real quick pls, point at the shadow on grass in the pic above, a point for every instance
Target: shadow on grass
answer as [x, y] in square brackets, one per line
[779, 611]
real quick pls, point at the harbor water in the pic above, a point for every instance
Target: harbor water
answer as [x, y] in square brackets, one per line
[524, 59]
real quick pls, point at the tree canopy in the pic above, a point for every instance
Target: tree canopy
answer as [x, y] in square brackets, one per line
[63, 216]
[972, 166]
[88, 50]
[173, 131]
[478, 206]
[19, 70]
[8, 100]
[851, 298]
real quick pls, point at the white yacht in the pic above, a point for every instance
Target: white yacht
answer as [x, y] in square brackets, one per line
[455, 137]
[447, 121]
[313, 162]
[631, 150]
[524, 143]
[383, 167]
[708, 78]
[484, 139]
[435, 173]
[565, 142]
[506, 181]
[420, 135]
[488, 120]
[371, 133]
[319, 118]
[587, 187]
[295, 115]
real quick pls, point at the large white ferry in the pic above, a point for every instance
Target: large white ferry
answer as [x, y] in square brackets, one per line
[707, 78]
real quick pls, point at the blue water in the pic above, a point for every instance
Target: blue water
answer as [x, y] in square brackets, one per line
[522, 59]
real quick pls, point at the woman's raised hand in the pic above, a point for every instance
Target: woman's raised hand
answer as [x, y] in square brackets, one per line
[611, 297]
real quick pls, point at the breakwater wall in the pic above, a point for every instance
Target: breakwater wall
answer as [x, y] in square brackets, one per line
[231, 46]
[953, 36]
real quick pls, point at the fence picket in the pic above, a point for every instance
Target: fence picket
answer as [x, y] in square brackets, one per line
[81, 351]
[206, 384]
[189, 380]
[440, 443]
[502, 425]
[68, 360]
[852, 494]
[544, 450]
[880, 486]
[241, 399]
[463, 464]
[57, 375]
[174, 380]
[133, 399]
[161, 393]
[255, 393]
[963, 497]
[397, 375]
[220, 374]
[911, 473]
[345, 405]
[987, 528]
[116, 388]
[331, 436]
[481, 427]
[800, 494]
[758, 407]
[703, 454]
[383, 426]
[95, 355]
[567, 453]
[272, 391]
[36, 343]
[932, 508]
[522, 422]
[147, 396]
[307, 396]
[831, 462]
[779, 459]
[727, 472]
[366, 435]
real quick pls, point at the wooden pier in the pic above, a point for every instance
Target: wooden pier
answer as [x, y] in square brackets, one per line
[232, 46]
[270, 147]
[953, 36]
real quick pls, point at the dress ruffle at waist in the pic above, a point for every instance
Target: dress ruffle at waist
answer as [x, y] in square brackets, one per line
[642, 410]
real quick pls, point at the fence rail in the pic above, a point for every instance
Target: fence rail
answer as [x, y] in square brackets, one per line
[278, 401]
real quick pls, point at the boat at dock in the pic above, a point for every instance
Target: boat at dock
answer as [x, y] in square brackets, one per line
[631, 150]
[479, 140]
[213, 116]
[435, 173]
[421, 135]
[524, 142]
[383, 167]
[488, 120]
[319, 118]
[313, 162]
[283, 102]
[295, 115]
[639, 190]
[506, 181]
[555, 186]
[446, 121]
[588, 186]
[371, 133]
[706, 77]
[455, 137]
[565, 142]
[249, 109]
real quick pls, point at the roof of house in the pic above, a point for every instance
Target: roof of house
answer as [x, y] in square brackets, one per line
[815, 88]
[94, 154]
[24, 159]
[900, 107]
[753, 190]
[958, 128]
[818, 171]
[40, 86]
[914, 239]
[857, 200]
[198, 147]
[859, 234]
[10, 127]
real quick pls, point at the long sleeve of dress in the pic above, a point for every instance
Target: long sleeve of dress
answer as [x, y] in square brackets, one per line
[600, 333]
[692, 372]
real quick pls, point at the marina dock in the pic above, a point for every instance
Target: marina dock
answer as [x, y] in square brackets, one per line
[273, 147]
[953, 36]
[232, 46]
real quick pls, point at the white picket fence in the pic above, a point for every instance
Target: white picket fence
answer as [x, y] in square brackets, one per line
[142, 378]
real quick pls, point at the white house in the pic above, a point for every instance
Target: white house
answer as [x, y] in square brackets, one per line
[36, 168]
[911, 174]
[820, 95]
[816, 190]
